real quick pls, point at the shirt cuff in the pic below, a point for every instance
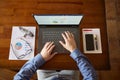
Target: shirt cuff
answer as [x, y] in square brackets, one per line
[76, 53]
[39, 59]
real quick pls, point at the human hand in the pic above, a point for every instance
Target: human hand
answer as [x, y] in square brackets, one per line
[70, 43]
[46, 52]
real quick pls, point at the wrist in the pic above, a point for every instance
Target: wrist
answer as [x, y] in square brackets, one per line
[72, 50]
[43, 57]
[40, 59]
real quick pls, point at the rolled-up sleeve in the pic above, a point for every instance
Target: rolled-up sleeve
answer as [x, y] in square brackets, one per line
[85, 67]
[29, 68]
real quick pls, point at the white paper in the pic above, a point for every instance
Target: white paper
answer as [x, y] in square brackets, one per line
[22, 43]
[97, 41]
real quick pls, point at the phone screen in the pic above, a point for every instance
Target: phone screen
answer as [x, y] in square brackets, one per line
[89, 42]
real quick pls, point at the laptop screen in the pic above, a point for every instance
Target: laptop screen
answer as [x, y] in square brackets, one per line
[58, 19]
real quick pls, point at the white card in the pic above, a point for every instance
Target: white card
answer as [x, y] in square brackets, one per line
[96, 48]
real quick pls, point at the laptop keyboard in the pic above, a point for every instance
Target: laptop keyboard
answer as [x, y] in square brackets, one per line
[52, 36]
[55, 36]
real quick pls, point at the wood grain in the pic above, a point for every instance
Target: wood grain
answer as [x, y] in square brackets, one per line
[19, 12]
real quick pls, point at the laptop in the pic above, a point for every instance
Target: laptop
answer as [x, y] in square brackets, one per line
[52, 26]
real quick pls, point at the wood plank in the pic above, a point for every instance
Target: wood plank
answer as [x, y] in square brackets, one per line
[4, 51]
[6, 12]
[32, 4]
[110, 9]
[118, 8]
[1, 30]
[6, 74]
[44, 1]
[5, 34]
[108, 75]
[4, 43]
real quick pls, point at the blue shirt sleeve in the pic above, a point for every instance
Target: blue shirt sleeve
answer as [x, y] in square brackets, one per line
[85, 67]
[29, 68]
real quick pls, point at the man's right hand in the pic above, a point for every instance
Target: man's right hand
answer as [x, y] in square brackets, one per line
[70, 43]
[46, 52]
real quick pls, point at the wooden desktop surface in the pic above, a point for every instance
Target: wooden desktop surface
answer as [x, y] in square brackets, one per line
[19, 12]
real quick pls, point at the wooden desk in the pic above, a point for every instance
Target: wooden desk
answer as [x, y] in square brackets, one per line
[19, 12]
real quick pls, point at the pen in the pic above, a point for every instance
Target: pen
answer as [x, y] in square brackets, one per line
[96, 41]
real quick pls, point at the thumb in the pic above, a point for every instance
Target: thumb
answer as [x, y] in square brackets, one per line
[62, 43]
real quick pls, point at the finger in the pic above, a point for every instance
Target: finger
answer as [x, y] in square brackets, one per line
[51, 48]
[49, 45]
[46, 44]
[69, 34]
[72, 35]
[62, 43]
[53, 54]
[64, 37]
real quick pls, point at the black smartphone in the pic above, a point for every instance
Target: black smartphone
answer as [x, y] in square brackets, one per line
[89, 42]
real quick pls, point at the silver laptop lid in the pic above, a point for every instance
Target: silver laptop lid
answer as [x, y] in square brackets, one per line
[58, 19]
